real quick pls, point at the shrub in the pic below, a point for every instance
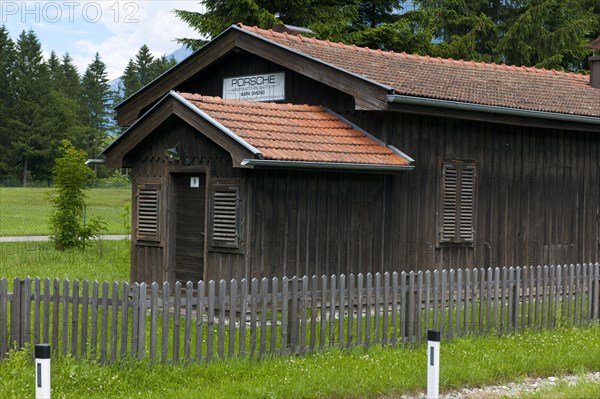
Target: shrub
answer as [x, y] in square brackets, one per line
[71, 176]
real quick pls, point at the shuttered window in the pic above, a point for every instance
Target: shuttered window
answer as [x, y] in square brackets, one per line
[147, 212]
[224, 216]
[456, 217]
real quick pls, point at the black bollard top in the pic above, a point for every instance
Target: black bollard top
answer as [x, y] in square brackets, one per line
[433, 335]
[42, 351]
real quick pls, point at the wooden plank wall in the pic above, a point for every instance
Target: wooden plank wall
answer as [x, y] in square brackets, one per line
[306, 223]
[298, 88]
[538, 192]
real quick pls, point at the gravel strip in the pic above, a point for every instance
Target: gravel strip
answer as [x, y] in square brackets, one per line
[529, 385]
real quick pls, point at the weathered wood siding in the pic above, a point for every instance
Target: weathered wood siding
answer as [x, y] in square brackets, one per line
[298, 88]
[309, 222]
[537, 195]
[155, 260]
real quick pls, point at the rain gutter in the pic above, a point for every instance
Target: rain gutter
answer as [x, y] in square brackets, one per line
[362, 167]
[456, 105]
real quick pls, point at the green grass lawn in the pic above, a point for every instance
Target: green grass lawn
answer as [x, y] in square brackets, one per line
[359, 373]
[102, 260]
[26, 211]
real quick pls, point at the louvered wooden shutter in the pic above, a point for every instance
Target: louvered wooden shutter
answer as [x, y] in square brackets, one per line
[457, 210]
[449, 202]
[225, 216]
[467, 203]
[147, 212]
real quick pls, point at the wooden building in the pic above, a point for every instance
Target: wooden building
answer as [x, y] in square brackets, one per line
[268, 153]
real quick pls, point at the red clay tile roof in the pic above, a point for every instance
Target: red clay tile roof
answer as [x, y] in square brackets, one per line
[296, 132]
[463, 81]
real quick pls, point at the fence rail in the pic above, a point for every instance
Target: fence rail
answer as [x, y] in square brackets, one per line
[204, 321]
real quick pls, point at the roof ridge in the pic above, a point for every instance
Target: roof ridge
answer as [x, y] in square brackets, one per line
[427, 58]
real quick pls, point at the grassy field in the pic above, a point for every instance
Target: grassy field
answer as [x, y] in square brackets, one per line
[102, 260]
[25, 211]
[376, 372]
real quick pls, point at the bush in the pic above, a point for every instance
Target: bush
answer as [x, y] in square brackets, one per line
[71, 176]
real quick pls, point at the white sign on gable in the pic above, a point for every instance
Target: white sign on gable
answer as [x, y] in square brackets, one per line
[263, 87]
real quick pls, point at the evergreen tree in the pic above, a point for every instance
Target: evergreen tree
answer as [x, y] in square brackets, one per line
[31, 95]
[7, 60]
[550, 34]
[55, 71]
[70, 78]
[94, 104]
[143, 70]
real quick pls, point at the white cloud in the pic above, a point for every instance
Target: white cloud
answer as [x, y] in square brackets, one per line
[130, 25]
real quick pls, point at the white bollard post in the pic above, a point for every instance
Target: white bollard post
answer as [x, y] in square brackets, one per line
[433, 364]
[42, 371]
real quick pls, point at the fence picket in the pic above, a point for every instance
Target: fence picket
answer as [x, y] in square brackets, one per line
[3, 317]
[176, 320]
[93, 321]
[65, 317]
[125, 319]
[114, 336]
[210, 332]
[332, 298]
[419, 325]
[459, 309]
[496, 280]
[221, 324]
[578, 296]
[85, 296]
[232, 317]
[359, 307]
[274, 311]
[435, 290]
[285, 314]
[187, 338]
[451, 299]
[368, 304]
[394, 288]
[135, 320]
[314, 287]
[341, 307]
[377, 301]
[46, 322]
[200, 320]
[412, 307]
[75, 318]
[264, 288]
[153, 320]
[350, 288]
[427, 300]
[303, 308]
[164, 348]
[141, 349]
[403, 308]
[243, 312]
[385, 308]
[104, 320]
[443, 298]
[253, 302]
[36, 311]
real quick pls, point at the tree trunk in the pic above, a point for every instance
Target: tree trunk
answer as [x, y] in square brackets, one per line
[25, 172]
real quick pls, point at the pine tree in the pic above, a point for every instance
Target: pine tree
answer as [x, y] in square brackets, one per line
[71, 80]
[31, 95]
[7, 60]
[95, 99]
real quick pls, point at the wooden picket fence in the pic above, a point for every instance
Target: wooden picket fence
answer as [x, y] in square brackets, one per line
[217, 320]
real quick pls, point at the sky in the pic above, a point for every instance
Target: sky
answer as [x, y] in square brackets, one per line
[113, 28]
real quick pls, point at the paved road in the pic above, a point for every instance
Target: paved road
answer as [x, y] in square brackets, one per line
[46, 238]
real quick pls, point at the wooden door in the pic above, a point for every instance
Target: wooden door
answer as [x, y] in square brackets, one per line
[189, 226]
